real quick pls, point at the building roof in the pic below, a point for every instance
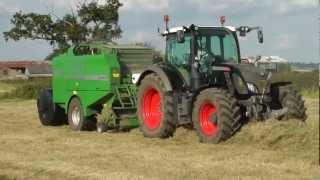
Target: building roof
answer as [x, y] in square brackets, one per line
[36, 69]
[273, 59]
[19, 64]
[266, 59]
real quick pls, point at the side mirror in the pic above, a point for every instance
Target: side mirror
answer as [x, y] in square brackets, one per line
[180, 36]
[260, 36]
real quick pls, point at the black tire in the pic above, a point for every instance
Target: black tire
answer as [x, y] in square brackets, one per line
[216, 115]
[76, 119]
[49, 113]
[164, 124]
[292, 100]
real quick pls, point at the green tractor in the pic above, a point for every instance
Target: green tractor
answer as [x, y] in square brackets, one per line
[201, 84]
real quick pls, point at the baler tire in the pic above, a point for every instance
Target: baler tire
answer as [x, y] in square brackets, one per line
[166, 126]
[219, 104]
[292, 100]
[76, 120]
[49, 113]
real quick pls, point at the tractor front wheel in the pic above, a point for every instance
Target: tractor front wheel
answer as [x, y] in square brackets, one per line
[292, 100]
[216, 115]
[155, 108]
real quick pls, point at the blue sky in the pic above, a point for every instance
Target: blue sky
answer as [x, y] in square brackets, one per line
[291, 27]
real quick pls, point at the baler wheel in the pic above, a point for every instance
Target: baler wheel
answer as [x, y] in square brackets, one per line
[49, 113]
[76, 119]
[216, 115]
[155, 108]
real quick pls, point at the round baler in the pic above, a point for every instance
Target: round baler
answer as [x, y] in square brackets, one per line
[94, 84]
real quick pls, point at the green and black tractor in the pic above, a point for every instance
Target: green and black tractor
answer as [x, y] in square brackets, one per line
[201, 84]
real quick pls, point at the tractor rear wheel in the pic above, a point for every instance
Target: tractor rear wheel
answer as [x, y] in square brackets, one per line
[155, 108]
[50, 114]
[216, 115]
[292, 100]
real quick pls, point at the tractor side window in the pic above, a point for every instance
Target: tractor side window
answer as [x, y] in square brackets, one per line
[178, 53]
[230, 48]
[81, 50]
[216, 45]
[86, 51]
[95, 51]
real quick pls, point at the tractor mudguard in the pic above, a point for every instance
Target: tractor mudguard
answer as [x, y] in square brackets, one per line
[170, 77]
[278, 84]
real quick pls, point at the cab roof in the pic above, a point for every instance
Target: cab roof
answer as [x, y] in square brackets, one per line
[179, 28]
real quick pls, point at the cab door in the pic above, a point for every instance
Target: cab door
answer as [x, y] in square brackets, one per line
[178, 55]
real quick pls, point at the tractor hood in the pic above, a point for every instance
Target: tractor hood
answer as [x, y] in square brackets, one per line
[249, 72]
[250, 75]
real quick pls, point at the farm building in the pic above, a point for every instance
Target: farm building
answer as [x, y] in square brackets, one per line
[25, 69]
[270, 63]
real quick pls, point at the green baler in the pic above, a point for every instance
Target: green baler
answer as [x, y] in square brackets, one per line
[95, 81]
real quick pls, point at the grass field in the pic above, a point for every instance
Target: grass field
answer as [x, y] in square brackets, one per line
[263, 150]
[5, 87]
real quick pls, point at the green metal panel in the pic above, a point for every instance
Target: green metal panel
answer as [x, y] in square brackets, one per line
[92, 72]
[87, 76]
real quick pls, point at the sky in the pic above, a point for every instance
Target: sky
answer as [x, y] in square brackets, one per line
[291, 27]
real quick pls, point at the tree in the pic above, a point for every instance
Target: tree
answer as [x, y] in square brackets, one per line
[90, 21]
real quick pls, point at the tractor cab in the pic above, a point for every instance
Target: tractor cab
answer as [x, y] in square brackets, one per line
[216, 44]
[212, 44]
[202, 52]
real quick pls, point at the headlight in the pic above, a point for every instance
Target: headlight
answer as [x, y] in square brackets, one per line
[115, 76]
[252, 88]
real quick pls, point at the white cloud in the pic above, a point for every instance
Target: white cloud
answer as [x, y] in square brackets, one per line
[231, 6]
[283, 7]
[6, 8]
[140, 37]
[221, 5]
[59, 3]
[128, 5]
[145, 5]
[214, 6]
[286, 41]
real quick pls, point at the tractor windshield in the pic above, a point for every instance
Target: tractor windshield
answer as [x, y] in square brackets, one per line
[213, 45]
[220, 47]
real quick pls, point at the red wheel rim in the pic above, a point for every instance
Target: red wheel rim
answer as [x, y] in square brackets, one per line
[207, 111]
[151, 108]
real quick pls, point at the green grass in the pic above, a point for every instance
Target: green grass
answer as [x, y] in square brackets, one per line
[307, 82]
[5, 87]
[310, 93]
[23, 89]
